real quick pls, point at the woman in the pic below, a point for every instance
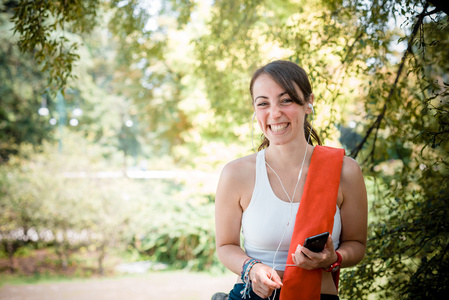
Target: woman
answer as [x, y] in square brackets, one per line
[260, 194]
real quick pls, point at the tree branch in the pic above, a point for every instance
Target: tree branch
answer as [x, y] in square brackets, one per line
[432, 12]
[440, 5]
[381, 116]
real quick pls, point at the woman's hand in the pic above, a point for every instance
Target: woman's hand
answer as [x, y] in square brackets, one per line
[264, 280]
[310, 260]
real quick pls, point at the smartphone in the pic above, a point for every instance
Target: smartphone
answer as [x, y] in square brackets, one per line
[317, 242]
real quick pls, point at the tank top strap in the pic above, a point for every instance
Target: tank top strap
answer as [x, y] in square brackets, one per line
[261, 169]
[261, 184]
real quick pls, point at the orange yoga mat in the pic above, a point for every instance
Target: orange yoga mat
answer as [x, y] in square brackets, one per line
[315, 215]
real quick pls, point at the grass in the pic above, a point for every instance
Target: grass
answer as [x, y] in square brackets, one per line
[20, 279]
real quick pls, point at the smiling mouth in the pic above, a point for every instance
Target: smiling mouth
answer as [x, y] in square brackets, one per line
[279, 128]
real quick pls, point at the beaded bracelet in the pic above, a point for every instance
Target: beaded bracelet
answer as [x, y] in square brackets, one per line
[247, 266]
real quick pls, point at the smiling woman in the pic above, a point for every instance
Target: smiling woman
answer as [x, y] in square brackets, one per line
[260, 194]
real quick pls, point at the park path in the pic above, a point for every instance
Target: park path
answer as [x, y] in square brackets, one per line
[160, 285]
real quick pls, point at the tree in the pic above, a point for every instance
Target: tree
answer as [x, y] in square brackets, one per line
[56, 32]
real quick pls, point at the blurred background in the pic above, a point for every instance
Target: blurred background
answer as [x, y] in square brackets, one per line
[116, 118]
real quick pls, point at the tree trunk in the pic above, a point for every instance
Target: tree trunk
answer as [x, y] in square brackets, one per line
[101, 257]
[11, 250]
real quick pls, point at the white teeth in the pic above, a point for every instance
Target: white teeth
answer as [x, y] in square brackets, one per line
[278, 128]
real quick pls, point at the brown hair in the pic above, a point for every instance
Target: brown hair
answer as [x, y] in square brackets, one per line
[288, 74]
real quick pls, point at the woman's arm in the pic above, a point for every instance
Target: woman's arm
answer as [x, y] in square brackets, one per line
[228, 216]
[235, 184]
[354, 214]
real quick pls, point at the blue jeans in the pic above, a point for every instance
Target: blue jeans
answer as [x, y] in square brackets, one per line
[235, 294]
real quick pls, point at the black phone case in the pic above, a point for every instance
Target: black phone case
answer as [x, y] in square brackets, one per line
[317, 242]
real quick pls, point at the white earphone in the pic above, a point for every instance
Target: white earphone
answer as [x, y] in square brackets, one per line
[311, 106]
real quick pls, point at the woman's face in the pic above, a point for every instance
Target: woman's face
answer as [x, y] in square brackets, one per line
[279, 117]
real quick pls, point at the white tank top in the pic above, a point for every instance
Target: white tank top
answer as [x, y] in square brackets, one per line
[266, 218]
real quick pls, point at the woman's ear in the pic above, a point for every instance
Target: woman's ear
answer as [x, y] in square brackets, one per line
[310, 104]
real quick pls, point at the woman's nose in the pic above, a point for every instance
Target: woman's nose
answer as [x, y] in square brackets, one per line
[275, 111]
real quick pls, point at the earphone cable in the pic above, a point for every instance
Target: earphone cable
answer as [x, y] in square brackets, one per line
[291, 205]
[288, 197]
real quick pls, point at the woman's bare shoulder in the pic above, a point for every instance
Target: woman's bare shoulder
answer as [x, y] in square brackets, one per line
[239, 170]
[350, 169]
[352, 181]
[236, 177]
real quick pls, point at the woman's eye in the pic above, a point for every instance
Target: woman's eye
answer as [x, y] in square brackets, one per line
[261, 103]
[287, 100]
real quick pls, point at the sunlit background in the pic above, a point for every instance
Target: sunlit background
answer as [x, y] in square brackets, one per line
[118, 116]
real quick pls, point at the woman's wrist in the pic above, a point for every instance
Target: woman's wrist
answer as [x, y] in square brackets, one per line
[336, 265]
[248, 264]
[246, 269]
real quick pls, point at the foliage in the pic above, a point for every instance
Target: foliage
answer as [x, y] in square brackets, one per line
[42, 206]
[42, 26]
[21, 86]
[54, 199]
[55, 33]
[123, 77]
[409, 245]
[180, 73]
[182, 238]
